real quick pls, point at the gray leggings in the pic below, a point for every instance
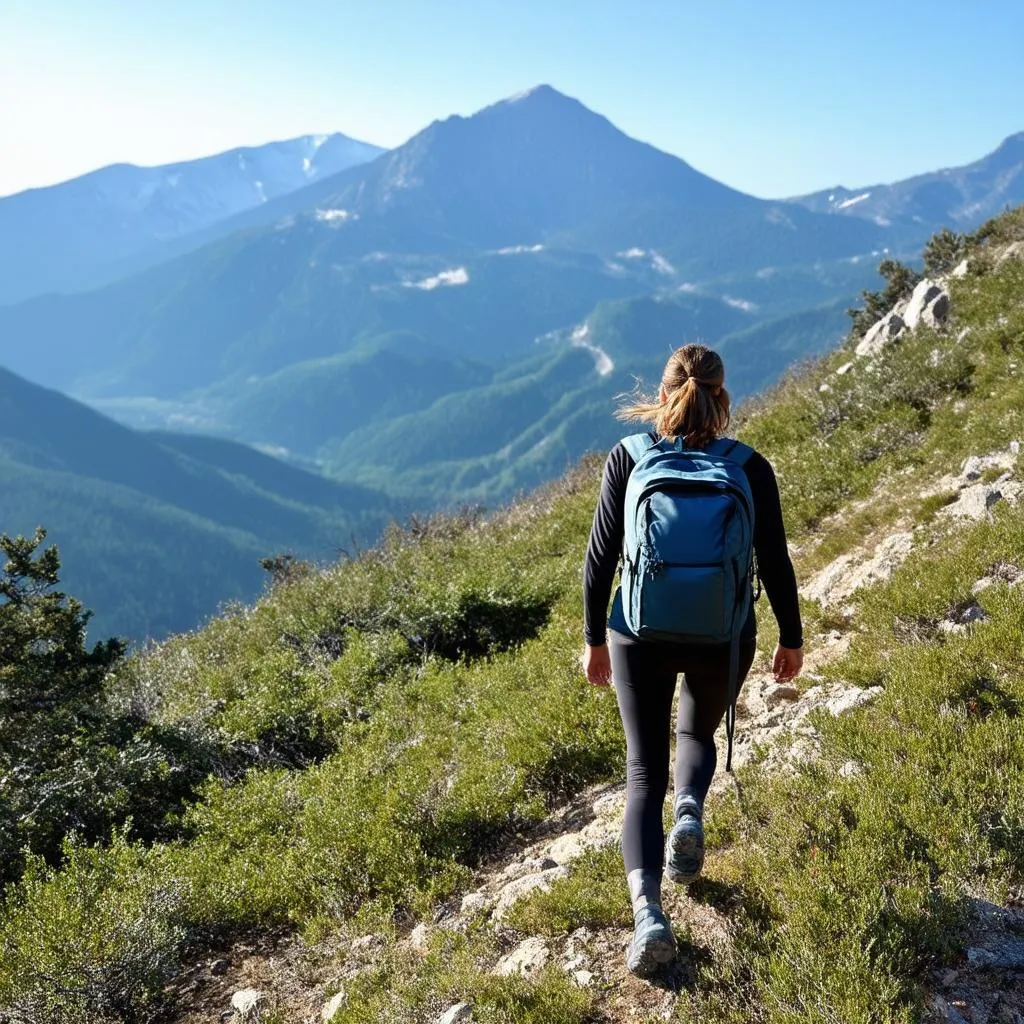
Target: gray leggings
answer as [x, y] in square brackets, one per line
[644, 674]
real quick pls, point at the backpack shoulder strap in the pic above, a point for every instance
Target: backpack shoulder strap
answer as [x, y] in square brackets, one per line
[731, 449]
[637, 444]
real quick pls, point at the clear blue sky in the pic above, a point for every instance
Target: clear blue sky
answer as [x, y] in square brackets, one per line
[775, 97]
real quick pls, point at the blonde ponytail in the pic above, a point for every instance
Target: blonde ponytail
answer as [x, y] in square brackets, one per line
[697, 406]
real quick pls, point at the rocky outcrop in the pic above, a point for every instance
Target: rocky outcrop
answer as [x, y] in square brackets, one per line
[885, 331]
[928, 305]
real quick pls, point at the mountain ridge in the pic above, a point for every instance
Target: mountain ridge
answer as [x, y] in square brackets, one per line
[97, 226]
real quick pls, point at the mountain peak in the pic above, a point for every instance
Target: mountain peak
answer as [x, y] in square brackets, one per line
[539, 97]
[537, 92]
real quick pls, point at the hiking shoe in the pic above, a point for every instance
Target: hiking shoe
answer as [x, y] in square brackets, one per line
[653, 944]
[684, 845]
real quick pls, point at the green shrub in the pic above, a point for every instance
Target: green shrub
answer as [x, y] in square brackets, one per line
[92, 943]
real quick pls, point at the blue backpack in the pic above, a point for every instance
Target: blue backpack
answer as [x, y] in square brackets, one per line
[688, 547]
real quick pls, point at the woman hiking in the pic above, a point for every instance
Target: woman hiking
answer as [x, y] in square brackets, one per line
[690, 418]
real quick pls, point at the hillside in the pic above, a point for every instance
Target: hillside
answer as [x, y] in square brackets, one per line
[117, 220]
[158, 530]
[411, 795]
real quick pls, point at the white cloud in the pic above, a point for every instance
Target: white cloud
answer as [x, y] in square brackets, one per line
[632, 254]
[745, 304]
[512, 250]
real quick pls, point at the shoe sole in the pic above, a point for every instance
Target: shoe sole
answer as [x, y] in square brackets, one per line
[656, 953]
[687, 847]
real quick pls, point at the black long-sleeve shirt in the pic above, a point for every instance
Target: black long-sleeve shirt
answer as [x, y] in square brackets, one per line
[773, 561]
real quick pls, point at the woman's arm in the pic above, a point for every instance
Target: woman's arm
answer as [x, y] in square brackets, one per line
[773, 561]
[605, 546]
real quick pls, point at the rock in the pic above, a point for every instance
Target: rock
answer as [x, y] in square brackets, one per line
[609, 804]
[842, 577]
[959, 622]
[1008, 954]
[1015, 250]
[526, 959]
[944, 1011]
[929, 304]
[844, 369]
[960, 270]
[851, 698]
[517, 889]
[974, 466]
[219, 967]
[247, 1001]
[780, 694]
[566, 848]
[332, 1006]
[367, 943]
[456, 1014]
[529, 866]
[974, 502]
[474, 903]
[574, 964]
[887, 330]
[850, 770]
[583, 978]
[825, 388]
[1004, 572]
[418, 938]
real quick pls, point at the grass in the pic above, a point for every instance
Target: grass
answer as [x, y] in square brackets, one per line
[384, 727]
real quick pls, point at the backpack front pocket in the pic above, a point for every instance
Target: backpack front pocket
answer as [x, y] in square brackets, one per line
[687, 601]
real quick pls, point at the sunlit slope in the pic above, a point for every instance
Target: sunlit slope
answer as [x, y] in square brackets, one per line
[405, 716]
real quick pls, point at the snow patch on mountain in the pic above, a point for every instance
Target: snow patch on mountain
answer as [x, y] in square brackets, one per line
[335, 217]
[852, 201]
[580, 338]
[660, 264]
[447, 278]
[744, 304]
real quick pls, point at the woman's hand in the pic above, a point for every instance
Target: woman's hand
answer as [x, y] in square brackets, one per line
[597, 664]
[787, 663]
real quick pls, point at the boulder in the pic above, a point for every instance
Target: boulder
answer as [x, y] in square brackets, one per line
[418, 938]
[1015, 250]
[887, 330]
[456, 1014]
[246, 1002]
[474, 903]
[929, 304]
[567, 848]
[526, 959]
[331, 1007]
[960, 270]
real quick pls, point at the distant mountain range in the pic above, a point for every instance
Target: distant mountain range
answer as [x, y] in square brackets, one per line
[465, 246]
[155, 530]
[958, 197]
[445, 322]
[114, 221]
